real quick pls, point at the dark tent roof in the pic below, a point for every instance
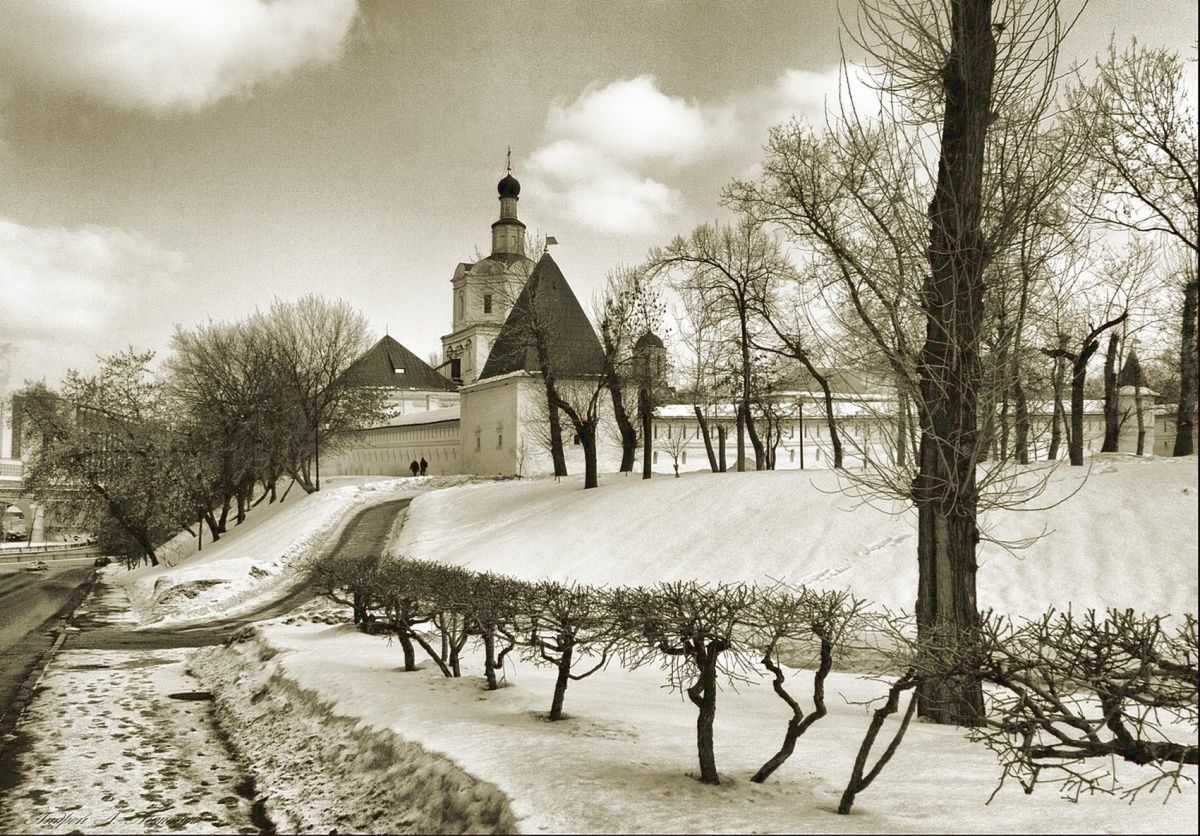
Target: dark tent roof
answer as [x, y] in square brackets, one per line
[649, 340]
[1131, 372]
[390, 364]
[571, 342]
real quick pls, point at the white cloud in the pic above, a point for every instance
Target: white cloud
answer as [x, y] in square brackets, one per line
[70, 294]
[161, 56]
[633, 120]
[619, 157]
[607, 151]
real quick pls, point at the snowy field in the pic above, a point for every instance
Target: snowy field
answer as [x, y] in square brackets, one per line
[256, 562]
[1126, 538]
[622, 760]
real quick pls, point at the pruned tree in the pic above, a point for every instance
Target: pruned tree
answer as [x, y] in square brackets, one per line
[695, 631]
[791, 620]
[570, 628]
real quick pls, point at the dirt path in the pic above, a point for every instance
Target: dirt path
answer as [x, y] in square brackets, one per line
[119, 738]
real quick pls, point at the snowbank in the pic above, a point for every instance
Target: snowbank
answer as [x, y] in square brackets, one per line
[619, 763]
[1127, 536]
[258, 561]
[323, 772]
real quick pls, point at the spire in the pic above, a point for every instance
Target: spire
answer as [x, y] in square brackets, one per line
[508, 161]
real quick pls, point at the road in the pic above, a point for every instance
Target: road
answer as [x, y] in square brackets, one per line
[28, 601]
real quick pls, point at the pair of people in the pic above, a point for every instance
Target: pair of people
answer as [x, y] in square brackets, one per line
[420, 469]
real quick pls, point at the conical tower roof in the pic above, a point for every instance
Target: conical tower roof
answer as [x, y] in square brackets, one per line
[390, 364]
[546, 303]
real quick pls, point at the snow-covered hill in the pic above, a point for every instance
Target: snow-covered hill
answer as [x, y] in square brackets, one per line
[1122, 532]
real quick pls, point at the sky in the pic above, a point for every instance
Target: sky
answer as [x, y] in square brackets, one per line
[171, 163]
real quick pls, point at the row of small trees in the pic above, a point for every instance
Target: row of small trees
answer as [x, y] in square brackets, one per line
[1061, 689]
[137, 451]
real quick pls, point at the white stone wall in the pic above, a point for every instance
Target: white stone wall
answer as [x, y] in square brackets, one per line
[388, 451]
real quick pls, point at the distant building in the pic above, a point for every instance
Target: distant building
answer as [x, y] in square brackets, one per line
[483, 410]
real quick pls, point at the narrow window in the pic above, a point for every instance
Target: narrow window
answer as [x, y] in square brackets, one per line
[487, 303]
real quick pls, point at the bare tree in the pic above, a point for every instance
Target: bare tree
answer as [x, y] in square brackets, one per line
[909, 237]
[1142, 146]
[728, 265]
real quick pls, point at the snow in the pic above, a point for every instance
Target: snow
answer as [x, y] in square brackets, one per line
[110, 752]
[621, 761]
[1123, 534]
[258, 561]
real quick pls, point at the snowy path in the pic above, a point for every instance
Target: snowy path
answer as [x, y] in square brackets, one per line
[103, 746]
[109, 751]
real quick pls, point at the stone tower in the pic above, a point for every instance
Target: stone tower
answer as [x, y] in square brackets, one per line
[484, 292]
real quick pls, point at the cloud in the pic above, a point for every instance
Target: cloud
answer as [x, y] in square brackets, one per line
[619, 158]
[162, 56]
[606, 153]
[70, 294]
[633, 120]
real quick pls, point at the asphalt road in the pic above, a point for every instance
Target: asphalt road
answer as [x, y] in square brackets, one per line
[28, 600]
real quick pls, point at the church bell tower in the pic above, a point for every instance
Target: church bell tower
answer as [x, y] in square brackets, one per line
[483, 292]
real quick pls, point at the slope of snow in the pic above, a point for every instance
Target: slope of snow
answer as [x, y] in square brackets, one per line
[1123, 533]
[257, 562]
[621, 760]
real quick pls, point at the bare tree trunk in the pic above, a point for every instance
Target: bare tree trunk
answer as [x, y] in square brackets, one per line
[945, 492]
[587, 438]
[647, 414]
[1022, 422]
[1141, 418]
[741, 439]
[901, 428]
[722, 431]
[556, 437]
[1058, 418]
[1186, 416]
[702, 423]
[561, 682]
[1078, 379]
[1112, 421]
[624, 425]
[703, 694]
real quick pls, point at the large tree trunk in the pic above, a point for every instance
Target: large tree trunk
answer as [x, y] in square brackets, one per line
[945, 491]
[587, 439]
[556, 437]
[1021, 421]
[702, 423]
[625, 426]
[1112, 420]
[647, 413]
[1186, 416]
[1058, 418]
[1078, 379]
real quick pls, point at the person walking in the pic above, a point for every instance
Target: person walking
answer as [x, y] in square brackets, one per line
[424, 466]
[414, 468]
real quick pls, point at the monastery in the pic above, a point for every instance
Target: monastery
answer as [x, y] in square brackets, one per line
[483, 409]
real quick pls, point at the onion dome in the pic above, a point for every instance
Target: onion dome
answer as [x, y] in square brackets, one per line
[509, 187]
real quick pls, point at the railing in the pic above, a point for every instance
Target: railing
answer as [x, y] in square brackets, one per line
[11, 468]
[46, 548]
